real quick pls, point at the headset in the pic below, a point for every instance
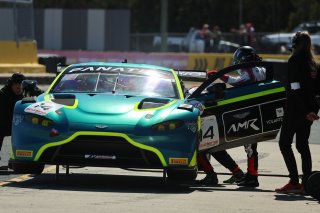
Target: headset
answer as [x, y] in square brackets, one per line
[295, 39]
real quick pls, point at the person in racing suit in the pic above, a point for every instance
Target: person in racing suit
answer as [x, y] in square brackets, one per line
[246, 75]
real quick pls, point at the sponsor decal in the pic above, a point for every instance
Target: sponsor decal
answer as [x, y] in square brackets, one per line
[244, 125]
[17, 119]
[197, 105]
[24, 153]
[209, 132]
[101, 126]
[272, 114]
[242, 115]
[43, 108]
[274, 121]
[279, 112]
[192, 126]
[100, 157]
[148, 116]
[178, 161]
[147, 71]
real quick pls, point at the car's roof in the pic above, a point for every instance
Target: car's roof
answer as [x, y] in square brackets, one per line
[145, 66]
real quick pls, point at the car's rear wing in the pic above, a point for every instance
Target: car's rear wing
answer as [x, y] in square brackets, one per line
[192, 75]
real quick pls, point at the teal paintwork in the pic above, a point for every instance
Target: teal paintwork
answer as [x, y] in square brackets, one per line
[114, 113]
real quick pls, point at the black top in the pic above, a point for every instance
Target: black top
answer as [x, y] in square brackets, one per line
[7, 102]
[303, 80]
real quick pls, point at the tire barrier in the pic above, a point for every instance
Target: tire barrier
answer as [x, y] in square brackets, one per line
[312, 185]
[51, 61]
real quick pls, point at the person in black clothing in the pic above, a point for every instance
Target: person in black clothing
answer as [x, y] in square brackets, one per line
[300, 111]
[9, 95]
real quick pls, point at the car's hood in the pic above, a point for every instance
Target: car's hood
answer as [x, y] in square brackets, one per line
[106, 104]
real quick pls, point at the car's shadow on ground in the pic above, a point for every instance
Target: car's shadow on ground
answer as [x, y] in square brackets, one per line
[102, 183]
[118, 183]
[294, 197]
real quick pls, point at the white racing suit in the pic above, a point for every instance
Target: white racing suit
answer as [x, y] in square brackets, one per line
[248, 75]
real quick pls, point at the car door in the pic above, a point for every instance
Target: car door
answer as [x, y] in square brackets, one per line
[233, 116]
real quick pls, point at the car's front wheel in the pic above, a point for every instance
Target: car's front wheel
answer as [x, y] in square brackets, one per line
[27, 168]
[182, 174]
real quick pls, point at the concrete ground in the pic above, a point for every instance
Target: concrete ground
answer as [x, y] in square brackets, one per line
[93, 189]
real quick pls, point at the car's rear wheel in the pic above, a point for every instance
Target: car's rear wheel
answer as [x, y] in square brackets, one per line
[27, 168]
[312, 185]
[182, 174]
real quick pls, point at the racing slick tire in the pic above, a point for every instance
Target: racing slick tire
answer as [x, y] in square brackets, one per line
[27, 168]
[312, 185]
[182, 174]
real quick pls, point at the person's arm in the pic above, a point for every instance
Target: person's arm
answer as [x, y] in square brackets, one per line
[233, 80]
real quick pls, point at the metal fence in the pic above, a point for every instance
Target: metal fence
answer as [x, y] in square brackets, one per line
[183, 42]
[18, 20]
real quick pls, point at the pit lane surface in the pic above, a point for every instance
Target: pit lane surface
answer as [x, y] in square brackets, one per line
[92, 189]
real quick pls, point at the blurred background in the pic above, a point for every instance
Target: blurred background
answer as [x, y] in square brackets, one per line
[87, 30]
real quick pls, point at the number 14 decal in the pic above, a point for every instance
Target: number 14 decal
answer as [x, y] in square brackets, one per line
[209, 132]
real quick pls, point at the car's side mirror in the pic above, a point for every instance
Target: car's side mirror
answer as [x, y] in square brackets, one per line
[217, 89]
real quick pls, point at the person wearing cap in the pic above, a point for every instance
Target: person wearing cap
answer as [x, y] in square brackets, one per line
[9, 95]
[300, 111]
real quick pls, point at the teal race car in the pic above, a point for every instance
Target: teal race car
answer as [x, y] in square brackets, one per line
[140, 116]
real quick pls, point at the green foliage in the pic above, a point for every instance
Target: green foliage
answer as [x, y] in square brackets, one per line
[304, 10]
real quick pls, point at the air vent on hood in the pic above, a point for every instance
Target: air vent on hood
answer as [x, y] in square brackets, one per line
[64, 99]
[149, 103]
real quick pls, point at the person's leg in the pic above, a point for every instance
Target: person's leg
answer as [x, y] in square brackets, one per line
[211, 177]
[251, 178]
[252, 159]
[226, 160]
[1, 141]
[285, 142]
[302, 145]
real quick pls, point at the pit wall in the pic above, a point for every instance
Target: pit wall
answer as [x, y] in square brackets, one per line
[193, 61]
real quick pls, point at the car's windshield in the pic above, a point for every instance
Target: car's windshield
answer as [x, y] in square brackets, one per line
[139, 84]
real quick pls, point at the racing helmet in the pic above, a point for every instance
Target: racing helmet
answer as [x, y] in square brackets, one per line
[245, 54]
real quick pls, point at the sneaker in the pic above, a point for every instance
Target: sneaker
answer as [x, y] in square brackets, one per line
[210, 179]
[235, 178]
[249, 181]
[289, 188]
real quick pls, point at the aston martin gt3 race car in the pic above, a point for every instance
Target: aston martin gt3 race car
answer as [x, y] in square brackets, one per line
[137, 116]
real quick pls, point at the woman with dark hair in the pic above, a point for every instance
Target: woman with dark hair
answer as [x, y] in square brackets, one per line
[300, 111]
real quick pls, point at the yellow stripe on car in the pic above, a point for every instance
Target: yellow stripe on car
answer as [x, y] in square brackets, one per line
[249, 96]
[113, 134]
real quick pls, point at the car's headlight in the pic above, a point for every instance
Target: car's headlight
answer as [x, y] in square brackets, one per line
[38, 120]
[168, 125]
